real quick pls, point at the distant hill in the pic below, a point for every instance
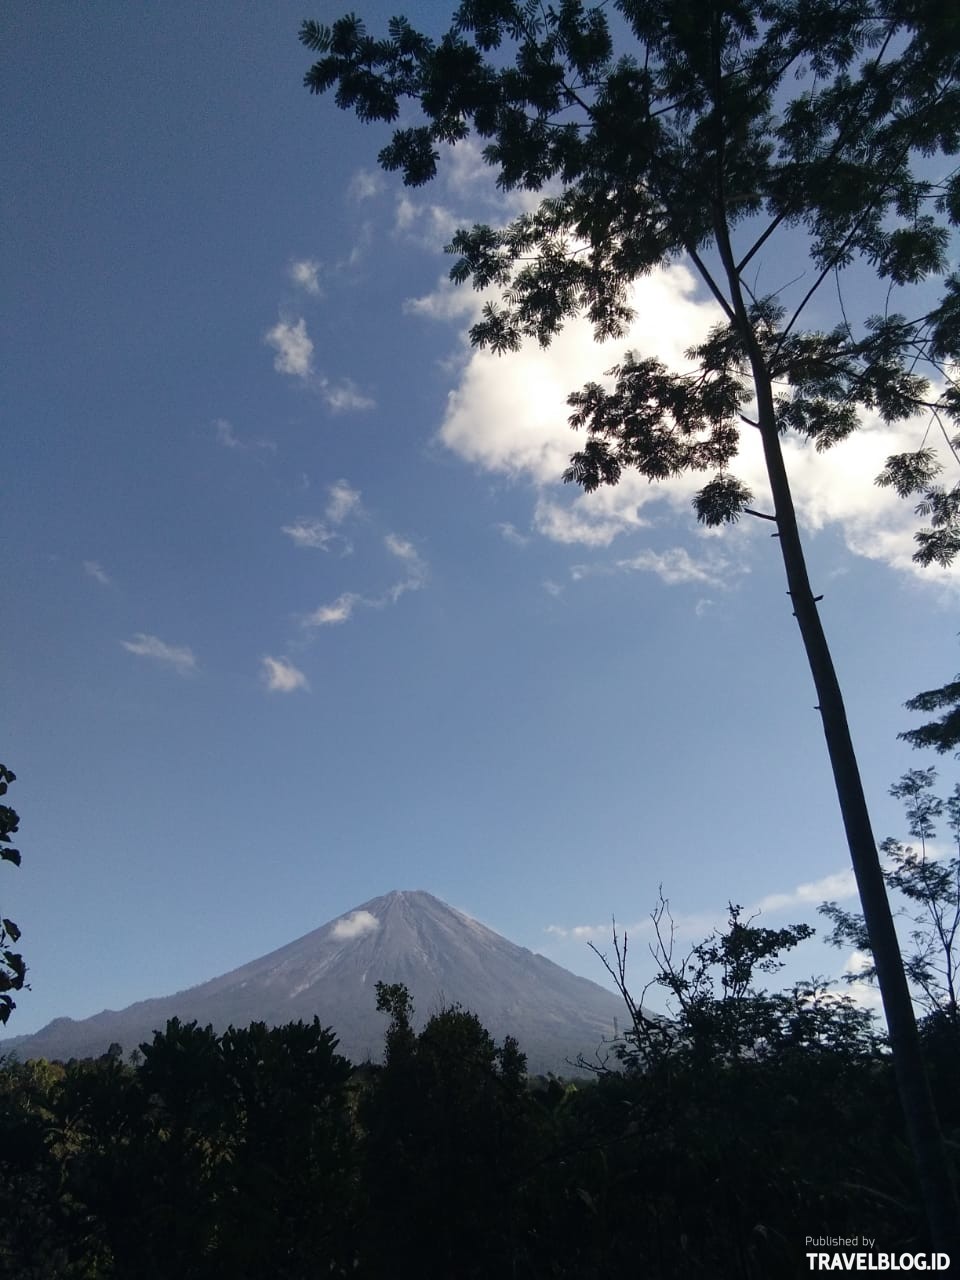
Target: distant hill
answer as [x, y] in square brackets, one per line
[441, 955]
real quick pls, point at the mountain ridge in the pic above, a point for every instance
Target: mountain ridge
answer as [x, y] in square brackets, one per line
[442, 956]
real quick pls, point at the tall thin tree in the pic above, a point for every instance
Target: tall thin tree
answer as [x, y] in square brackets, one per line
[701, 131]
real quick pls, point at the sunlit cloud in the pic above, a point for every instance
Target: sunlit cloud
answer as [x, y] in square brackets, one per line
[592, 520]
[293, 347]
[305, 273]
[344, 501]
[416, 572]
[94, 569]
[446, 302]
[416, 568]
[281, 676]
[402, 548]
[331, 615]
[355, 925]
[294, 357]
[509, 415]
[343, 396]
[146, 646]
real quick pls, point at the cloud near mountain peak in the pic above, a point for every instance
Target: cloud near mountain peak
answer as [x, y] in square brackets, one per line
[356, 924]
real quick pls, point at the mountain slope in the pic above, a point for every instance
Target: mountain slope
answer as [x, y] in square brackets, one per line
[441, 955]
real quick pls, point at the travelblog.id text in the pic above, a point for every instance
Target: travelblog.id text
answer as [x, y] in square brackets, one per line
[850, 1253]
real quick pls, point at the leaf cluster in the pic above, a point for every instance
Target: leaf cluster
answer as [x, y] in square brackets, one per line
[943, 733]
[666, 132]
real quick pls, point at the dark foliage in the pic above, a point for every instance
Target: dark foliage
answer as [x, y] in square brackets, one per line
[943, 732]
[710, 1151]
[13, 970]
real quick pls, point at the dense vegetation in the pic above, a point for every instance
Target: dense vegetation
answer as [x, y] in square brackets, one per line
[710, 1145]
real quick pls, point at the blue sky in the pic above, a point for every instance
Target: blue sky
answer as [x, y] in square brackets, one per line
[296, 610]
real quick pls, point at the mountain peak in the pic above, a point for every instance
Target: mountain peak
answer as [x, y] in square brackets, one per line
[440, 954]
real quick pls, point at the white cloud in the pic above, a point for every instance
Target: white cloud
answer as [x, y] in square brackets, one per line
[510, 533]
[466, 173]
[404, 550]
[692, 926]
[310, 533]
[281, 676]
[416, 568]
[329, 615]
[583, 932]
[508, 415]
[446, 302]
[94, 569]
[228, 438]
[552, 588]
[863, 993]
[342, 609]
[837, 489]
[146, 646]
[355, 925]
[405, 214]
[293, 347]
[226, 435]
[305, 273]
[344, 501]
[581, 522]
[365, 184]
[429, 225]
[343, 396]
[837, 885]
[676, 565]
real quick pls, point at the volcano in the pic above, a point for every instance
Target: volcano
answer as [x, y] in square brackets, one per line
[442, 956]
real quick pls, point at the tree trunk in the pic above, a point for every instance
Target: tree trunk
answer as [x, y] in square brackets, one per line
[923, 1127]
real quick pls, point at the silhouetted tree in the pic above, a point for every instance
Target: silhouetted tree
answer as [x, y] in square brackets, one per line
[943, 732]
[930, 883]
[13, 971]
[445, 1128]
[719, 125]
